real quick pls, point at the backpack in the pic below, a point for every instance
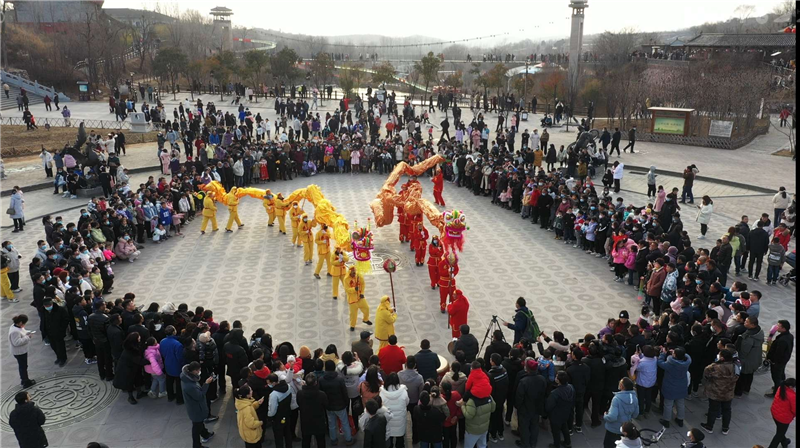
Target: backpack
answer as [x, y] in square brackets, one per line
[742, 245]
[531, 332]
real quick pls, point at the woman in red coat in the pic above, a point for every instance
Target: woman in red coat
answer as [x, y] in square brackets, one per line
[784, 410]
[458, 310]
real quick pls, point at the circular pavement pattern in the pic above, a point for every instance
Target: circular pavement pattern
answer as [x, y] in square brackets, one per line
[65, 399]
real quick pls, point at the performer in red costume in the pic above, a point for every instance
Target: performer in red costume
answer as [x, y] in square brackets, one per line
[413, 224]
[419, 242]
[448, 269]
[402, 219]
[438, 186]
[458, 311]
[435, 253]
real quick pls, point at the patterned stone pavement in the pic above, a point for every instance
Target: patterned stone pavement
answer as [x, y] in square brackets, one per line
[254, 275]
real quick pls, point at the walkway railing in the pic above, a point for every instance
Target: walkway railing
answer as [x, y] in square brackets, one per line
[32, 86]
[73, 122]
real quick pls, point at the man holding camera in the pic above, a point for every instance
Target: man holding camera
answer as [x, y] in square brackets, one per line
[521, 317]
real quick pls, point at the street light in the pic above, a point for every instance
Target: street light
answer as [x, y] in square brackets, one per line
[525, 84]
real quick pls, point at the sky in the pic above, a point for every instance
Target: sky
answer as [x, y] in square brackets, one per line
[462, 19]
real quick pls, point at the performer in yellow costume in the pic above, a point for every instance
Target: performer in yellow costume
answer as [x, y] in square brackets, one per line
[232, 201]
[280, 212]
[306, 237]
[5, 284]
[269, 206]
[209, 213]
[322, 239]
[337, 261]
[354, 285]
[385, 318]
[295, 215]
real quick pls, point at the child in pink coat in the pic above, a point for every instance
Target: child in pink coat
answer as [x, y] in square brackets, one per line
[155, 367]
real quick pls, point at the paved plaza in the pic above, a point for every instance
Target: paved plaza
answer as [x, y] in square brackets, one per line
[256, 276]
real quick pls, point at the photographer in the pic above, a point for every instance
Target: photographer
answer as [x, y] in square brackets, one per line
[520, 326]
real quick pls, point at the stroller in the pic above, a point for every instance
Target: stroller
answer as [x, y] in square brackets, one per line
[791, 276]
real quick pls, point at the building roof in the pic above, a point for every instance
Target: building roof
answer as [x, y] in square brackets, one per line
[130, 15]
[718, 40]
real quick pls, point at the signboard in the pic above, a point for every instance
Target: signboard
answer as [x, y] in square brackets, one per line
[83, 87]
[669, 125]
[719, 128]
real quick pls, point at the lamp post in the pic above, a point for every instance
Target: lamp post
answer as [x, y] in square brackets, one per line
[525, 84]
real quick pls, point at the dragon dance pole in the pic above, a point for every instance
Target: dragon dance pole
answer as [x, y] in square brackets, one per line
[390, 266]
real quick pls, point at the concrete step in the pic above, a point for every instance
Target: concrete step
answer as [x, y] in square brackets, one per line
[11, 101]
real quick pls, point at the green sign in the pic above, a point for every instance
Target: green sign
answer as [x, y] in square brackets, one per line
[665, 125]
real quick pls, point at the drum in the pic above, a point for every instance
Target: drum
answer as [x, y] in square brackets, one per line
[451, 347]
[443, 368]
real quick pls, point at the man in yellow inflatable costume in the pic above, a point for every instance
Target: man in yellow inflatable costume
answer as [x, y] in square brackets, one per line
[269, 206]
[385, 317]
[338, 271]
[233, 210]
[354, 285]
[209, 213]
[295, 215]
[306, 237]
[322, 239]
[280, 212]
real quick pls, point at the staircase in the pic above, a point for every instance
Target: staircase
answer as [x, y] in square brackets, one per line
[11, 101]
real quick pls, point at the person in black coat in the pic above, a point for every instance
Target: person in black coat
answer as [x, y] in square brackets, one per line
[128, 376]
[312, 403]
[530, 402]
[427, 361]
[467, 344]
[667, 210]
[219, 340]
[513, 365]
[559, 408]
[758, 245]
[580, 374]
[38, 298]
[429, 420]
[724, 259]
[115, 336]
[594, 391]
[56, 322]
[235, 356]
[98, 324]
[498, 345]
[695, 348]
[498, 378]
[779, 354]
[375, 427]
[333, 385]
[26, 420]
[138, 327]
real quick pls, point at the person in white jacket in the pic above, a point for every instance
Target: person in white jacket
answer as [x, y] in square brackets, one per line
[780, 202]
[395, 398]
[618, 172]
[47, 162]
[18, 339]
[704, 212]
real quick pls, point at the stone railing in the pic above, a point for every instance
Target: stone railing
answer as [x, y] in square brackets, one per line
[32, 86]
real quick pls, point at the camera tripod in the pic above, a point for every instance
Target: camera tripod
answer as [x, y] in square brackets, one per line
[493, 325]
